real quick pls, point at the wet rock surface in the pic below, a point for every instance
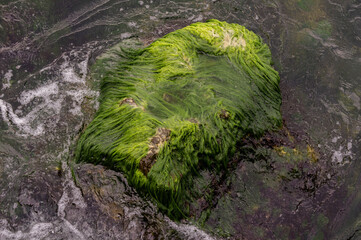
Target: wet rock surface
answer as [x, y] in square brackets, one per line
[37, 200]
[92, 203]
[264, 195]
[120, 213]
[273, 189]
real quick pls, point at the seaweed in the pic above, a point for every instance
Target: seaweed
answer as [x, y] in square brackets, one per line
[180, 105]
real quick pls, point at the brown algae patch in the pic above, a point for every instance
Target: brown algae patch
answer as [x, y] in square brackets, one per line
[156, 142]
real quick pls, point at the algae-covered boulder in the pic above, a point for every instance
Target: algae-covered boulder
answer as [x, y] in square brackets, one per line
[181, 105]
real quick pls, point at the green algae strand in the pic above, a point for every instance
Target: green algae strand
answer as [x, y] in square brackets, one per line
[181, 105]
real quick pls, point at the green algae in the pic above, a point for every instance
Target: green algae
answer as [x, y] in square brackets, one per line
[305, 5]
[324, 29]
[181, 105]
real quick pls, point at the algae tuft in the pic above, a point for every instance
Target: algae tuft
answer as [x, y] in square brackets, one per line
[180, 105]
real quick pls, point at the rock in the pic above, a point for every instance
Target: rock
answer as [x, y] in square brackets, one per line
[205, 86]
[101, 205]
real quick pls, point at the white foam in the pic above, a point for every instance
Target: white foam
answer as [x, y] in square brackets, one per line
[74, 230]
[349, 145]
[32, 123]
[69, 75]
[44, 92]
[77, 97]
[71, 195]
[125, 35]
[40, 108]
[40, 230]
[132, 24]
[343, 154]
[36, 231]
[335, 139]
[22, 123]
[190, 231]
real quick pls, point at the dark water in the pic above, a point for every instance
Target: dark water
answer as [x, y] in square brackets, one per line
[46, 96]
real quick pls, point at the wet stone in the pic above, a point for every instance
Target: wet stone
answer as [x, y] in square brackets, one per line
[37, 201]
[310, 41]
[113, 207]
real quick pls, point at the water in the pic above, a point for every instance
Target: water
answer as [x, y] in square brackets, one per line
[47, 96]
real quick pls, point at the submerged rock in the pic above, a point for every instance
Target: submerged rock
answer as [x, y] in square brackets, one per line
[181, 105]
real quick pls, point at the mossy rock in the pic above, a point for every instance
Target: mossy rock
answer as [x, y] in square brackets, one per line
[181, 105]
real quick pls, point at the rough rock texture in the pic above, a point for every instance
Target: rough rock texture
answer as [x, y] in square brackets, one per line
[120, 213]
[316, 48]
[38, 199]
[100, 205]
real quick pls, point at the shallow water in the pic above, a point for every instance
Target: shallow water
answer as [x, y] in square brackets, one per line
[46, 97]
